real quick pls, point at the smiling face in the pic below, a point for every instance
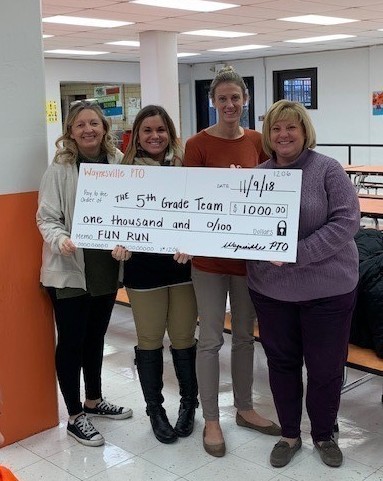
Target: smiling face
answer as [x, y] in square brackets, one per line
[153, 137]
[88, 131]
[228, 100]
[287, 138]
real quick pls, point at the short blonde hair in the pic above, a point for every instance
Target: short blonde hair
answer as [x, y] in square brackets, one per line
[287, 110]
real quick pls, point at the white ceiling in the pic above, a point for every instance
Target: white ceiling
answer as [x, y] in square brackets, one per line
[258, 17]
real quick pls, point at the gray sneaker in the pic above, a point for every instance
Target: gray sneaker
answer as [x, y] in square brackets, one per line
[282, 454]
[330, 453]
[84, 431]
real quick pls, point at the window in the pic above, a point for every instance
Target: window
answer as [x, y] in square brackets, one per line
[298, 85]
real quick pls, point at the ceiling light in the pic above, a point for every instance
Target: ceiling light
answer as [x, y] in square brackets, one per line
[217, 33]
[75, 52]
[324, 38]
[87, 22]
[239, 48]
[47, 36]
[318, 20]
[185, 54]
[194, 5]
[125, 43]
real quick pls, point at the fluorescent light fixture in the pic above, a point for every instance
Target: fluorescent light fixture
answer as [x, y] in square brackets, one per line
[318, 20]
[239, 48]
[324, 38]
[87, 22]
[75, 52]
[125, 43]
[185, 54]
[217, 33]
[194, 5]
[47, 36]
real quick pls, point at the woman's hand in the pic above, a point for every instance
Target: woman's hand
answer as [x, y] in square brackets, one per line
[67, 247]
[121, 254]
[277, 263]
[182, 258]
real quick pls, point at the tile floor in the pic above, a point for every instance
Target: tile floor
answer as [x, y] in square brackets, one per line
[132, 453]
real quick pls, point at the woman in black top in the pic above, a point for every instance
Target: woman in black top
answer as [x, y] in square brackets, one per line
[161, 292]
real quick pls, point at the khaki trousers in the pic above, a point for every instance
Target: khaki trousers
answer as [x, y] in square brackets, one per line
[172, 309]
[211, 292]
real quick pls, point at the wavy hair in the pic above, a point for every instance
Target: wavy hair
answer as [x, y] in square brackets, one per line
[287, 110]
[67, 150]
[151, 111]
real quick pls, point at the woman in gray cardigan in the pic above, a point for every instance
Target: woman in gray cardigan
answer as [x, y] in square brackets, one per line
[82, 283]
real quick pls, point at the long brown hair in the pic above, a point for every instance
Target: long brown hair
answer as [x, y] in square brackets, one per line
[151, 111]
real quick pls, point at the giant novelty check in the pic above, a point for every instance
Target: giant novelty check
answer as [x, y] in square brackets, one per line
[234, 213]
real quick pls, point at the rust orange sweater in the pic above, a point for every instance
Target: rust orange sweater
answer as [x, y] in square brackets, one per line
[204, 150]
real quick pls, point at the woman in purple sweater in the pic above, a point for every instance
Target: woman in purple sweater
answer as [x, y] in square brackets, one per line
[304, 309]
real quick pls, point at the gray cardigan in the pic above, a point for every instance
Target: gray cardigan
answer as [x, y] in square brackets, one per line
[54, 219]
[327, 257]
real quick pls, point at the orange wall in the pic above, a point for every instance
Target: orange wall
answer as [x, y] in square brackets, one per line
[27, 371]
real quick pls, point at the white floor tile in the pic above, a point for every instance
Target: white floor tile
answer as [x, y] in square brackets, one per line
[135, 469]
[44, 470]
[16, 457]
[132, 453]
[84, 462]
[230, 467]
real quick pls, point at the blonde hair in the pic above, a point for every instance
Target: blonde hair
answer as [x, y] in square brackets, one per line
[151, 111]
[287, 110]
[67, 150]
[227, 74]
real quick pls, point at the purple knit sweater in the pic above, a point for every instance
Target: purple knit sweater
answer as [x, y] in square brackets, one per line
[327, 257]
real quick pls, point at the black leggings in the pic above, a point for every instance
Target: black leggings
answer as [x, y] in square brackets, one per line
[81, 326]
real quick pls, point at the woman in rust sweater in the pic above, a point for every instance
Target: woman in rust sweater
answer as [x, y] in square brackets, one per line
[225, 144]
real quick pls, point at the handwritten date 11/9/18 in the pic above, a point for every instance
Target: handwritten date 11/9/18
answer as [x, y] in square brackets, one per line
[249, 186]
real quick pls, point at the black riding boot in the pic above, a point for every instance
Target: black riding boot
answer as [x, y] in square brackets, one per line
[184, 366]
[150, 370]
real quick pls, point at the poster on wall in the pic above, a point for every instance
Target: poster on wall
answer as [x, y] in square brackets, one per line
[51, 111]
[377, 102]
[109, 99]
[134, 106]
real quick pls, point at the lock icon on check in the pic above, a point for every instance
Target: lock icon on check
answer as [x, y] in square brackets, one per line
[281, 228]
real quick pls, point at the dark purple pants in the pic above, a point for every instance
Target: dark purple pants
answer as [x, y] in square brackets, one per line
[315, 332]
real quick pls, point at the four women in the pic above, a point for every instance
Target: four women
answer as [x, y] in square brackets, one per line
[304, 309]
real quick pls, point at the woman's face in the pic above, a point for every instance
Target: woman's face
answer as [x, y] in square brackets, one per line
[88, 131]
[287, 139]
[153, 137]
[229, 100]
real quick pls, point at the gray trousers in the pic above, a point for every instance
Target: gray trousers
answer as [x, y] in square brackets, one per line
[211, 292]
